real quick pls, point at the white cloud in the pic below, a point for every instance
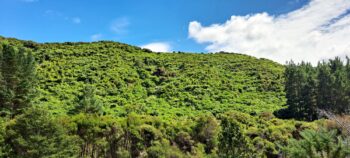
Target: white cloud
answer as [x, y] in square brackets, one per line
[96, 37]
[158, 46]
[319, 30]
[120, 25]
[76, 20]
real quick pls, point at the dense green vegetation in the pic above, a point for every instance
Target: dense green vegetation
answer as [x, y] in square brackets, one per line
[128, 78]
[308, 89]
[107, 99]
[16, 79]
[318, 144]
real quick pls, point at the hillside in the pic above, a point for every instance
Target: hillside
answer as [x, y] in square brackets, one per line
[155, 103]
[172, 84]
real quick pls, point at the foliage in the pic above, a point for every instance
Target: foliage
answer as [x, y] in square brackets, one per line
[35, 134]
[207, 131]
[308, 88]
[107, 99]
[17, 77]
[88, 103]
[183, 84]
[233, 142]
[3, 146]
[164, 150]
[316, 144]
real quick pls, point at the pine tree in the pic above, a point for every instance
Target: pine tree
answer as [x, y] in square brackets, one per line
[299, 94]
[308, 88]
[324, 86]
[347, 67]
[88, 103]
[347, 88]
[310, 101]
[291, 88]
[339, 92]
[309, 94]
[336, 88]
[17, 77]
[300, 106]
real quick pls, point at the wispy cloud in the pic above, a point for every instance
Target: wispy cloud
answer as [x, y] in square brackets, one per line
[29, 1]
[291, 2]
[158, 46]
[52, 13]
[58, 15]
[319, 30]
[120, 25]
[76, 20]
[96, 37]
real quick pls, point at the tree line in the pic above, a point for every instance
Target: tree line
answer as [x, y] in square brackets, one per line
[308, 88]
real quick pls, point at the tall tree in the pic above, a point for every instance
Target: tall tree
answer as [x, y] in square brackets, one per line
[324, 86]
[347, 70]
[300, 87]
[291, 88]
[340, 102]
[17, 76]
[310, 99]
[308, 93]
[309, 88]
[347, 67]
[338, 79]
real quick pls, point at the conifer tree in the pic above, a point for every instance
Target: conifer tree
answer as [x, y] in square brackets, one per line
[339, 92]
[309, 88]
[291, 88]
[347, 88]
[88, 102]
[301, 107]
[310, 102]
[324, 86]
[17, 77]
[347, 67]
[335, 93]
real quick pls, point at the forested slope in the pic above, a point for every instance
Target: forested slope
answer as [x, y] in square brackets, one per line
[108, 99]
[172, 84]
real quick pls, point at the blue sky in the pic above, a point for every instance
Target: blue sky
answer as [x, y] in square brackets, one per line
[262, 28]
[137, 22]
